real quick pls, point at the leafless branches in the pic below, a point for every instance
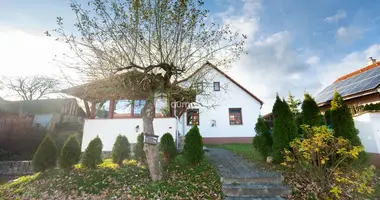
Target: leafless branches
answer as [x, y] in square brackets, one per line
[170, 38]
[31, 87]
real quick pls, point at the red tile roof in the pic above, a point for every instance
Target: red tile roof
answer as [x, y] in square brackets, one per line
[236, 83]
[366, 68]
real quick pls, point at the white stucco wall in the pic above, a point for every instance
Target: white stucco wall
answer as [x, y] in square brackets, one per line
[109, 129]
[230, 96]
[368, 125]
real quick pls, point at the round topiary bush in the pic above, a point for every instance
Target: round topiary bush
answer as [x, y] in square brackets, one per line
[121, 150]
[167, 146]
[139, 149]
[193, 149]
[45, 156]
[70, 153]
[93, 154]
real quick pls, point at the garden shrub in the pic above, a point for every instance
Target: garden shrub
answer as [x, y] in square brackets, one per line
[121, 150]
[284, 130]
[45, 156]
[262, 141]
[193, 148]
[310, 111]
[372, 106]
[342, 121]
[93, 154]
[167, 146]
[328, 117]
[325, 161]
[139, 148]
[70, 153]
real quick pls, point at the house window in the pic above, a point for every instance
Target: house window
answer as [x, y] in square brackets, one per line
[138, 106]
[216, 86]
[199, 87]
[192, 116]
[235, 116]
[102, 109]
[122, 107]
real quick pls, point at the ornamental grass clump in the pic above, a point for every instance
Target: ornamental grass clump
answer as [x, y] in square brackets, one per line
[323, 164]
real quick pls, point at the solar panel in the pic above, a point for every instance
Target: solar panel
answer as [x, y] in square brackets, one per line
[364, 81]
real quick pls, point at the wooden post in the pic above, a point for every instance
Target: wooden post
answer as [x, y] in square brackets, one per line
[93, 108]
[111, 109]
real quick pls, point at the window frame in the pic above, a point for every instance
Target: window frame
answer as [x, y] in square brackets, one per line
[216, 83]
[187, 117]
[241, 115]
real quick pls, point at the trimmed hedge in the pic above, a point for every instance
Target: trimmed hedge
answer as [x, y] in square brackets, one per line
[193, 149]
[167, 146]
[45, 156]
[263, 140]
[93, 154]
[121, 150]
[139, 148]
[70, 153]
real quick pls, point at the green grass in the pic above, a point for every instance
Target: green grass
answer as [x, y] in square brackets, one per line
[130, 181]
[245, 150]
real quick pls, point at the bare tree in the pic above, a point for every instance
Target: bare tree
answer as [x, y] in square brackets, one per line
[31, 87]
[160, 46]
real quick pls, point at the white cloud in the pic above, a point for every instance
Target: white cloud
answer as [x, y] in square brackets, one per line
[25, 54]
[341, 14]
[349, 34]
[312, 60]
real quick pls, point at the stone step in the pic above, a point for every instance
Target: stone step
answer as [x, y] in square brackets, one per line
[258, 179]
[254, 190]
[254, 198]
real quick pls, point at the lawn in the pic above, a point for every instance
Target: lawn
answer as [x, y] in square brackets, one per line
[130, 181]
[245, 150]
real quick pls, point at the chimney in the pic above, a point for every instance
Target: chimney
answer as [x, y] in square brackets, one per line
[371, 61]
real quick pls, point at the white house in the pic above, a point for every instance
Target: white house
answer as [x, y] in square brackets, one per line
[225, 112]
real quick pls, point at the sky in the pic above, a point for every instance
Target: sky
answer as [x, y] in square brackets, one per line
[293, 45]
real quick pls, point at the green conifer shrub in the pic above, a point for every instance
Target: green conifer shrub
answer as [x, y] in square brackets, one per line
[262, 141]
[167, 146]
[121, 150]
[45, 156]
[93, 154]
[328, 116]
[193, 148]
[342, 121]
[139, 148]
[284, 130]
[70, 153]
[310, 111]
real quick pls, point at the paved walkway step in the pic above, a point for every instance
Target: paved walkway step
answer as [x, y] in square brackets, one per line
[243, 180]
[254, 198]
[254, 190]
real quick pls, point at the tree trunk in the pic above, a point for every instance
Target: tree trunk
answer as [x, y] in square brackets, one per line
[151, 150]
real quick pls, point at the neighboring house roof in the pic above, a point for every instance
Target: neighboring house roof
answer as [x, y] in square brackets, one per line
[236, 83]
[42, 106]
[356, 84]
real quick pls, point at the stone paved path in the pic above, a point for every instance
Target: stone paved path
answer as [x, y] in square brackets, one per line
[241, 179]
